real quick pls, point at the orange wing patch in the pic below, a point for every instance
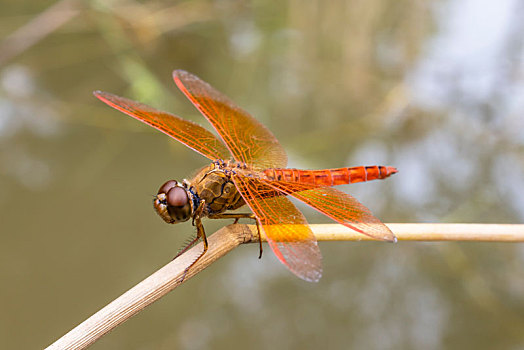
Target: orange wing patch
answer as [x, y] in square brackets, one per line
[249, 141]
[286, 229]
[340, 206]
[190, 134]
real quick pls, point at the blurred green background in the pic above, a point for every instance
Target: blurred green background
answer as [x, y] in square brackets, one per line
[435, 88]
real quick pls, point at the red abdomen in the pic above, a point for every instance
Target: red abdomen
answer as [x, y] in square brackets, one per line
[331, 177]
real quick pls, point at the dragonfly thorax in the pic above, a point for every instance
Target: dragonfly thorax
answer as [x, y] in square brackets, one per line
[174, 202]
[213, 186]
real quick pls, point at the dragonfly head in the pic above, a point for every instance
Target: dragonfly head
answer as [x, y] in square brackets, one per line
[174, 202]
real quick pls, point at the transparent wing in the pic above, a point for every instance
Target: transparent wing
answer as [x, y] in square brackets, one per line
[339, 206]
[190, 134]
[286, 229]
[248, 140]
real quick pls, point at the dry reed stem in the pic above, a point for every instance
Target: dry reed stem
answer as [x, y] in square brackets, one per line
[152, 288]
[224, 240]
[429, 232]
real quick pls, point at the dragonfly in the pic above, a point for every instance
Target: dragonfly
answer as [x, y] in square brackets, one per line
[248, 168]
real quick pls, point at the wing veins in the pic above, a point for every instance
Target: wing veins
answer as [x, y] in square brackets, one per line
[285, 228]
[247, 139]
[188, 133]
[337, 205]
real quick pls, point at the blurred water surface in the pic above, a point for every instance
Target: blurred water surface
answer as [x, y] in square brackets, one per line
[435, 88]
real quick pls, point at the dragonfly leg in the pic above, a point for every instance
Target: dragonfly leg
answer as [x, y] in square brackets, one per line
[259, 240]
[198, 211]
[235, 216]
[187, 246]
[201, 234]
[238, 216]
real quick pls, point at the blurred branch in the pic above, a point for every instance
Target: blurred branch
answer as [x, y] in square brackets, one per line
[224, 240]
[38, 28]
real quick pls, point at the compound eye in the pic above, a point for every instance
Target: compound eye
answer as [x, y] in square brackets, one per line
[167, 186]
[176, 197]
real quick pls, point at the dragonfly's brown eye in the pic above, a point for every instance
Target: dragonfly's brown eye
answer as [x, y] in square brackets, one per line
[176, 197]
[167, 186]
[172, 202]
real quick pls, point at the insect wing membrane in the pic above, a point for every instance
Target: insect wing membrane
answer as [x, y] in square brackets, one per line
[337, 205]
[286, 229]
[190, 134]
[249, 141]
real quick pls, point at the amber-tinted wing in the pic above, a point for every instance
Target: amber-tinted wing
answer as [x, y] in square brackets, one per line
[248, 140]
[190, 134]
[286, 229]
[337, 205]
